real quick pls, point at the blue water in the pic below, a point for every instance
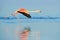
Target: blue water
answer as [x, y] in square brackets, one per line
[49, 29]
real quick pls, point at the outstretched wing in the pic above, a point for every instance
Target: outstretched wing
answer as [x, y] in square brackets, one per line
[26, 14]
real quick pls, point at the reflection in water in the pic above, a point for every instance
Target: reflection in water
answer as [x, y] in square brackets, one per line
[25, 33]
[49, 28]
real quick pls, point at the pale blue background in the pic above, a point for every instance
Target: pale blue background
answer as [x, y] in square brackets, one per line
[49, 28]
[48, 7]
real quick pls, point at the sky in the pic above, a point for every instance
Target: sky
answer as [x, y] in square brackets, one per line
[48, 7]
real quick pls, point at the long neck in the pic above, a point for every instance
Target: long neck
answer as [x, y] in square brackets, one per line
[35, 11]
